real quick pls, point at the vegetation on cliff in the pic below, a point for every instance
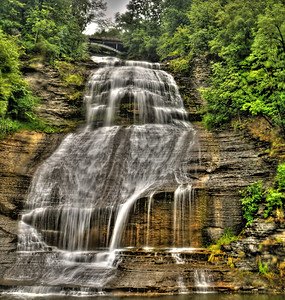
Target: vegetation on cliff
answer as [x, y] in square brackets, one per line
[273, 198]
[16, 100]
[44, 29]
[259, 247]
[245, 40]
[50, 28]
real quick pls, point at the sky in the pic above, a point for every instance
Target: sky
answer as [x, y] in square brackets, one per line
[113, 6]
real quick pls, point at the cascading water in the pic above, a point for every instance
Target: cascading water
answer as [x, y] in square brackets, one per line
[203, 280]
[137, 142]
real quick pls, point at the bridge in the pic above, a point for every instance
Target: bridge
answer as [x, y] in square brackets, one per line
[107, 43]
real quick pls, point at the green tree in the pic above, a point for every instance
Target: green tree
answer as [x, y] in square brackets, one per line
[10, 16]
[192, 36]
[252, 197]
[52, 28]
[173, 21]
[249, 80]
[16, 100]
[140, 25]
[268, 64]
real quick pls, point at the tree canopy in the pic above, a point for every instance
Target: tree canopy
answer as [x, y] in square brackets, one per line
[49, 29]
[244, 38]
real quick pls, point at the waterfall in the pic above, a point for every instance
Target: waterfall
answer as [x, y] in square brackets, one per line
[137, 142]
[203, 280]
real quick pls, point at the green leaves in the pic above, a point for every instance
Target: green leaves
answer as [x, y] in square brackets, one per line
[16, 100]
[252, 197]
[51, 28]
[280, 177]
[276, 197]
[273, 198]
[9, 70]
[141, 28]
[249, 39]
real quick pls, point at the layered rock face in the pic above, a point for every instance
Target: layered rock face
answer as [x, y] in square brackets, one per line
[20, 155]
[229, 162]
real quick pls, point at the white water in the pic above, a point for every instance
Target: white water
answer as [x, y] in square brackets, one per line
[181, 284]
[81, 197]
[203, 280]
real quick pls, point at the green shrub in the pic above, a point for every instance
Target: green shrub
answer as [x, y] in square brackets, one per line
[16, 100]
[180, 65]
[276, 197]
[252, 197]
[70, 74]
[7, 126]
[227, 238]
[280, 177]
[274, 200]
[263, 269]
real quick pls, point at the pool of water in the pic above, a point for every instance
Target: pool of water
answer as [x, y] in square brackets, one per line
[176, 297]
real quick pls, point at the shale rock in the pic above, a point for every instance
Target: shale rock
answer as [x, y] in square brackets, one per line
[20, 155]
[55, 104]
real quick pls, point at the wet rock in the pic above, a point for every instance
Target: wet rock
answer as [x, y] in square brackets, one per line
[229, 163]
[20, 155]
[261, 229]
[214, 233]
[55, 105]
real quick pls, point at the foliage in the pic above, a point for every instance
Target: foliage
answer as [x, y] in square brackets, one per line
[280, 177]
[180, 65]
[140, 25]
[174, 29]
[227, 237]
[73, 79]
[276, 197]
[7, 126]
[51, 28]
[223, 96]
[10, 16]
[16, 100]
[194, 29]
[250, 43]
[252, 197]
[273, 198]
[264, 270]
[69, 73]
[109, 31]
[47, 28]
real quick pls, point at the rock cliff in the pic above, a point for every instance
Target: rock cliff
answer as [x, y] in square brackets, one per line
[229, 162]
[20, 155]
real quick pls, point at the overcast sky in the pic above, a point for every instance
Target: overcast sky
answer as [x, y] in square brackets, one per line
[113, 7]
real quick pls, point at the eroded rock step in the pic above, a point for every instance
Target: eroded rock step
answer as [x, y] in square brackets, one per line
[143, 271]
[168, 271]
